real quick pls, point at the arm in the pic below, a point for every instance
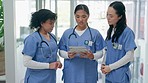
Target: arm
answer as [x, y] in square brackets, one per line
[28, 62]
[67, 55]
[130, 46]
[98, 55]
[92, 56]
[63, 54]
[99, 46]
[58, 58]
[104, 58]
[124, 60]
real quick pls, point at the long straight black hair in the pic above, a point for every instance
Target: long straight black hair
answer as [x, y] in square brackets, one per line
[121, 24]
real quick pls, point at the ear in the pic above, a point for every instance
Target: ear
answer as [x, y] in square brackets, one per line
[120, 17]
[41, 23]
[88, 16]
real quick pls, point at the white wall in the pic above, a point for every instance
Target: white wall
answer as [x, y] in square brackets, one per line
[145, 80]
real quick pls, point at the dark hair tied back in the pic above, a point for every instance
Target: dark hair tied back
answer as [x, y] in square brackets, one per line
[81, 7]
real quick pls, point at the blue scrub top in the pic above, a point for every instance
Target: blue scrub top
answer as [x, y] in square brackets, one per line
[40, 52]
[125, 43]
[81, 70]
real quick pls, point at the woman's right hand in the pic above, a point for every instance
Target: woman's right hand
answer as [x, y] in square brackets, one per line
[71, 54]
[105, 69]
[102, 66]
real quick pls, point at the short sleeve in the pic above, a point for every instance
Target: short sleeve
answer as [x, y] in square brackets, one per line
[130, 41]
[99, 42]
[30, 46]
[62, 43]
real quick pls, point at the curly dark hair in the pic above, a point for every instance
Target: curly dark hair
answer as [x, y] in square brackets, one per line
[121, 24]
[41, 16]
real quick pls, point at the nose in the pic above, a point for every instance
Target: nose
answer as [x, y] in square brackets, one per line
[107, 17]
[52, 25]
[80, 19]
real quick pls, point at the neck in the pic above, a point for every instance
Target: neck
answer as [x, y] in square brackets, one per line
[43, 32]
[114, 26]
[81, 28]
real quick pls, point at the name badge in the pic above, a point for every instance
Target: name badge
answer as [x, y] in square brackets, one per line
[89, 43]
[117, 46]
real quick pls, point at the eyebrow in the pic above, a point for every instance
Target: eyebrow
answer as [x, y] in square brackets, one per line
[109, 14]
[81, 15]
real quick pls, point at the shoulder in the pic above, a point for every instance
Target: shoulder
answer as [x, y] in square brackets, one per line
[68, 31]
[32, 37]
[128, 30]
[94, 31]
[128, 33]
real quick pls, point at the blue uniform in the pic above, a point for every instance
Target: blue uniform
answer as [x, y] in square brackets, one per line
[117, 51]
[40, 52]
[80, 70]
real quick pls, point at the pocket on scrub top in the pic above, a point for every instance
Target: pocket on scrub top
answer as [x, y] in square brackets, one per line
[46, 52]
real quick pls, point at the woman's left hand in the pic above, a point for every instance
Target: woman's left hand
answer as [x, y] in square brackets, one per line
[87, 54]
[59, 64]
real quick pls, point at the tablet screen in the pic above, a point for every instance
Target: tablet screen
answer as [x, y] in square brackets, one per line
[77, 48]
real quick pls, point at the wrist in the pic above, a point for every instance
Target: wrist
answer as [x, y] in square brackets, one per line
[49, 65]
[111, 67]
[91, 57]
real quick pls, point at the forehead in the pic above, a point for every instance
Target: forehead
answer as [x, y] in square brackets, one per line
[50, 20]
[111, 10]
[80, 12]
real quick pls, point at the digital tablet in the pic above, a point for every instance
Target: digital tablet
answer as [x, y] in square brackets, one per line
[77, 48]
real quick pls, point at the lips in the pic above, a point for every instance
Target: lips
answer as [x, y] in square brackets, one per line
[109, 21]
[81, 23]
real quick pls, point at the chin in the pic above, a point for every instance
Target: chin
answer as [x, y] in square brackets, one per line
[81, 25]
[110, 24]
[50, 30]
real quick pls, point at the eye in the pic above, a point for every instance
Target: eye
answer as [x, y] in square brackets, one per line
[77, 16]
[51, 23]
[84, 16]
[109, 15]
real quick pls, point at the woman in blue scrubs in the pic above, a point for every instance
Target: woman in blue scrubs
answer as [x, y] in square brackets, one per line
[40, 49]
[120, 46]
[81, 67]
